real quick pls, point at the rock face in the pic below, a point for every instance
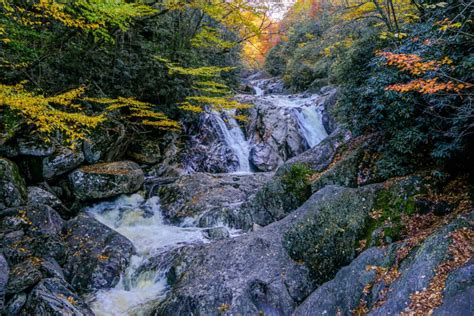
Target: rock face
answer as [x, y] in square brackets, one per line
[54, 296]
[97, 254]
[12, 185]
[218, 277]
[106, 180]
[209, 197]
[345, 291]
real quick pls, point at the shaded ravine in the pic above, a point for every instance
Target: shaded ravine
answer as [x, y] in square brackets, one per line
[142, 222]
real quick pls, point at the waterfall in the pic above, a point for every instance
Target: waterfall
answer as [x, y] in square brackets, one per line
[141, 222]
[234, 137]
[310, 123]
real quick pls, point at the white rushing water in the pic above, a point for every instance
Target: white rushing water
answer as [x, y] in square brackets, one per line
[141, 222]
[234, 138]
[306, 112]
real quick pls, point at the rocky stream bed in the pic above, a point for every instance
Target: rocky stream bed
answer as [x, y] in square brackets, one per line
[283, 215]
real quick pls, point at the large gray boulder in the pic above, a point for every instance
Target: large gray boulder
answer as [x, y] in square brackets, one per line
[12, 186]
[105, 180]
[4, 271]
[208, 197]
[255, 273]
[53, 296]
[97, 255]
[326, 238]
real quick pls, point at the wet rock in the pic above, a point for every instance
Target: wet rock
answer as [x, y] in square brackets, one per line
[12, 186]
[330, 97]
[211, 197]
[15, 304]
[208, 150]
[60, 162]
[54, 296]
[216, 233]
[23, 276]
[4, 271]
[264, 157]
[105, 180]
[97, 255]
[252, 273]
[107, 143]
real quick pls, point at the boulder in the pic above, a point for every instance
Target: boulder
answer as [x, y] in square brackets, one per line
[458, 292]
[105, 180]
[343, 294]
[255, 273]
[53, 296]
[31, 231]
[361, 286]
[4, 271]
[208, 197]
[216, 233]
[34, 146]
[329, 95]
[15, 304]
[37, 195]
[23, 276]
[12, 186]
[61, 161]
[97, 255]
[145, 151]
[326, 238]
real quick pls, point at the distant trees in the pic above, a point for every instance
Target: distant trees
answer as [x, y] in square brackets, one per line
[112, 54]
[404, 69]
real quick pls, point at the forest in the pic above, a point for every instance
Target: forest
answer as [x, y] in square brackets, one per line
[244, 157]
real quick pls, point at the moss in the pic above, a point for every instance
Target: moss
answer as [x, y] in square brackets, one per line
[296, 182]
[395, 201]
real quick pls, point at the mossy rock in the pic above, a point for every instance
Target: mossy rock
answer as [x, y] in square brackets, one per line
[326, 238]
[12, 186]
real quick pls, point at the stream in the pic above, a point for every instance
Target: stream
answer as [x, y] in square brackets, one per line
[141, 220]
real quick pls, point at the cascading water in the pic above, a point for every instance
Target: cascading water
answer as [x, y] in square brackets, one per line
[235, 139]
[141, 222]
